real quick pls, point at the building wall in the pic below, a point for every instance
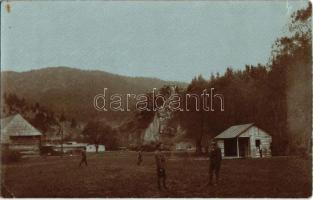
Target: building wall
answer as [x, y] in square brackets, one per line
[254, 133]
[25, 144]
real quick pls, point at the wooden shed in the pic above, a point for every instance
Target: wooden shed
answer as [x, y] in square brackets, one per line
[246, 140]
[18, 134]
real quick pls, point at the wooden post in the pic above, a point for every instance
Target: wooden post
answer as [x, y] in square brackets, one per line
[237, 148]
[249, 147]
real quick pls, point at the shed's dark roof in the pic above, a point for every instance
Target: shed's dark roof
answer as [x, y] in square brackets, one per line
[234, 131]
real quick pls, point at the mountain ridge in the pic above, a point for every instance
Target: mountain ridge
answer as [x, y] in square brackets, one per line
[182, 83]
[71, 90]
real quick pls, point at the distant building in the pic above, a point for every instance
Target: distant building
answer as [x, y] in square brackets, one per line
[184, 146]
[18, 134]
[246, 140]
[70, 147]
[92, 148]
[75, 148]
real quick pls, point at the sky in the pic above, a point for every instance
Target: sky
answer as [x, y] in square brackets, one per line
[170, 40]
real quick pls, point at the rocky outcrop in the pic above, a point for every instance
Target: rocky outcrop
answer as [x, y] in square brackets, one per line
[160, 124]
[152, 133]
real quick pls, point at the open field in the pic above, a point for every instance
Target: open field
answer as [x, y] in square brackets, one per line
[115, 174]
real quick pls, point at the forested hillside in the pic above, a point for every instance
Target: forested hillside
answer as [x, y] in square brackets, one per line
[71, 91]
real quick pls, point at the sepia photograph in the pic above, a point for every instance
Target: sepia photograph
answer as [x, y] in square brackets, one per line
[156, 99]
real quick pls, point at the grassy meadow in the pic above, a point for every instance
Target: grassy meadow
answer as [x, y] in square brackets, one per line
[115, 174]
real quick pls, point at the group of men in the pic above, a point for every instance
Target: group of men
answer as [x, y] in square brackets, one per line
[215, 155]
[215, 164]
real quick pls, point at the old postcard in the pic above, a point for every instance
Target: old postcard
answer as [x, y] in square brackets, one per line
[145, 99]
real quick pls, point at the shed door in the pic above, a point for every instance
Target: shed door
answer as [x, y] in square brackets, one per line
[230, 147]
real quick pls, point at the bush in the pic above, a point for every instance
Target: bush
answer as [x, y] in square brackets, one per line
[10, 156]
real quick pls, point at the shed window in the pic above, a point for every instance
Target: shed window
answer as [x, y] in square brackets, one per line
[257, 143]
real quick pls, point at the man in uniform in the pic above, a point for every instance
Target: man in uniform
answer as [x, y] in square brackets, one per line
[160, 165]
[84, 157]
[215, 155]
[139, 158]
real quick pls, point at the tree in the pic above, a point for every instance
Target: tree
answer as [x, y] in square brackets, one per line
[73, 123]
[62, 117]
[193, 120]
[97, 133]
[291, 59]
[40, 122]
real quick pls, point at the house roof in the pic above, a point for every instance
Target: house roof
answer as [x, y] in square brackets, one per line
[234, 131]
[16, 125]
[5, 121]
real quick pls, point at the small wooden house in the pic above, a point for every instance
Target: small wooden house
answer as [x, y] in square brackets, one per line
[246, 140]
[18, 134]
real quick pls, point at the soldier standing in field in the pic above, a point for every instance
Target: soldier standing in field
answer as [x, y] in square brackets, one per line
[215, 155]
[84, 157]
[160, 165]
[139, 158]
